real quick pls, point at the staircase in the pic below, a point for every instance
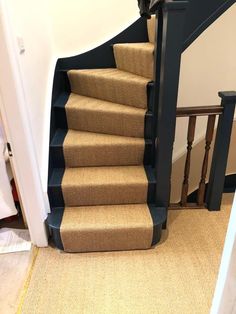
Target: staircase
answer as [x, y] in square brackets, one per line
[112, 131]
[102, 183]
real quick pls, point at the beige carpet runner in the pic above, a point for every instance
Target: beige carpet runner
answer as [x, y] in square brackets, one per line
[106, 181]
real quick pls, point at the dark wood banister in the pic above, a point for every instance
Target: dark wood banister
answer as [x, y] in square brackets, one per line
[198, 111]
[211, 198]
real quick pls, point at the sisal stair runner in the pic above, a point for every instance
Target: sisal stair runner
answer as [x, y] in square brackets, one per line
[102, 187]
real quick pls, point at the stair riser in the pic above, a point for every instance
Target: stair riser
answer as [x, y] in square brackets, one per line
[103, 156]
[84, 121]
[134, 61]
[107, 123]
[110, 89]
[103, 195]
[55, 233]
[151, 26]
[119, 240]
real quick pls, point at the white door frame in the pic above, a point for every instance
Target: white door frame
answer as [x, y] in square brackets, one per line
[19, 135]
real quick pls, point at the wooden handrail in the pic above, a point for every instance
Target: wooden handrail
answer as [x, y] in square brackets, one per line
[199, 111]
[211, 198]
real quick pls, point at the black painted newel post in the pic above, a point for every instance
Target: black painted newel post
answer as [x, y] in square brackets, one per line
[221, 149]
[167, 68]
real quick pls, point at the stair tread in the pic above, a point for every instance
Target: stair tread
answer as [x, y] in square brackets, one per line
[115, 175]
[113, 210]
[145, 46]
[108, 73]
[110, 84]
[136, 58]
[88, 139]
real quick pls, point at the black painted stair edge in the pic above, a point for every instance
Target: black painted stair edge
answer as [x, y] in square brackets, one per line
[54, 220]
[60, 115]
[159, 216]
[151, 184]
[56, 148]
[55, 194]
[56, 119]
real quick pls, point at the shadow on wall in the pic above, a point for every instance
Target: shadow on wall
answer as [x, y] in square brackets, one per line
[196, 165]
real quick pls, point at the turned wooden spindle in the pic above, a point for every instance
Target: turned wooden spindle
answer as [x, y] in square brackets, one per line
[208, 139]
[190, 139]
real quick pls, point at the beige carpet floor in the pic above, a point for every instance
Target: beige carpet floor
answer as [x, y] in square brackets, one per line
[178, 276]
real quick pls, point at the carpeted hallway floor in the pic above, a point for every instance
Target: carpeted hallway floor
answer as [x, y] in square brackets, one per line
[178, 276]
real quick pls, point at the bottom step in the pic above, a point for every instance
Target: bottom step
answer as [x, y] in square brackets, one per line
[107, 227]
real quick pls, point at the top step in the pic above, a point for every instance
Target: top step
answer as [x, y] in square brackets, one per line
[135, 58]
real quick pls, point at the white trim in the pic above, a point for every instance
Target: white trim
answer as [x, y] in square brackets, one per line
[224, 300]
[46, 132]
[16, 122]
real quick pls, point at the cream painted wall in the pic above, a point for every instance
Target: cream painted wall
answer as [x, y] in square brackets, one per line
[208, 66]
[79, 26]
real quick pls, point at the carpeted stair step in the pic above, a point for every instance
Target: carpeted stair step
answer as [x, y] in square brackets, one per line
[111, 85]
[101, 186]
[83, 149]
[95, 115]
[106, 227]
[136, 58]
